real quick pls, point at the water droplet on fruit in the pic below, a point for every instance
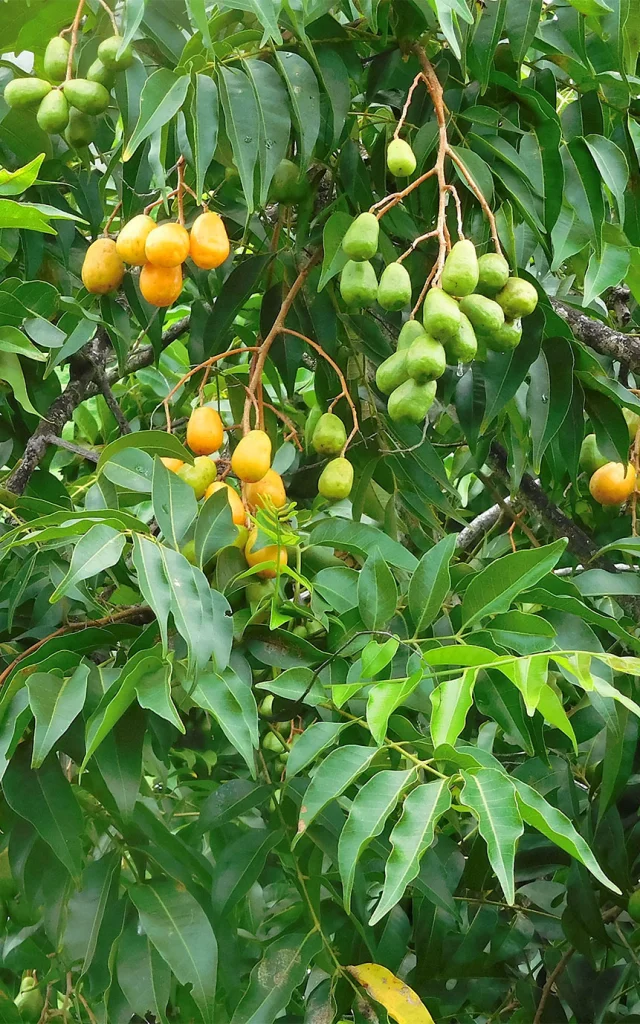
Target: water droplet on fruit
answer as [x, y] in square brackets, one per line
[544, 398]
[460, 369]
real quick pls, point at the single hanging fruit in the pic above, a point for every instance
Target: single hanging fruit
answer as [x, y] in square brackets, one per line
[409, 332]
[460, 273]
[53, 113]
[462, 348]
[613, 483]
[440, 315]
[25, 92]
[89, 97]
[485, 315]
[108, 54]
[238, 513]
[56, 57]
[80, 130]
[132, 239]
[287, 186]
[98, 73]
[168, 245]
[591, 458]
[336, 480]
[393, 371]
[517, 298]
[209, 241]
[358, 284]
[269, 553]
[251, 458]
[102, 269]
[401, 159]
[506, 338]
[493, 273]
[200, 475]
[426, 359]
[205, 432]
[394, 290]
[270, 487]
[330, 435]
[361, 240]
[160, 286]
[29, 1001]
[411, 401]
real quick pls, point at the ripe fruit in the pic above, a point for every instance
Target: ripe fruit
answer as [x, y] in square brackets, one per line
[517, 298]
[200, 475]
[401, 159]
[591, 458]
[56, 57]
[462, 348]
[336, 480]
[108, 54]
[271, 486]
[53, 112]
[493, 273]
[410, 331]
[633, 907]
[269, 553]
[80, 130]
[361, 240]
[238, 513]
[393, 371]
[102, 270]
[394, 290]
[173, 465]
[507, 338]
[160, 286]
[330, 435]
[613, 483]
[440, 315]
[168, 245]
[286, 185]
[205, 432]
[426, 359]
[132, 239]
[98, 73]
[460, 273]
[25, 92]
[89, 97]
[411, 401]
[252, 457]
[209, 242]
[358, 283]
[485, 315]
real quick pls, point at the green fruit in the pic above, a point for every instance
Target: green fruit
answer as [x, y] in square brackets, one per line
[286, 185]
[517, 298]
[256, 591]
[108, 54]
[633, 907]
[485, 315]
[265, 707]
[493, 273]
[633, 422]
[440, 315]
[358, 284]
[464, 346]
[460, 273]
[506, 339]
[9, 499]
[336, 480]
[25, 92]
[271, 742]
[53, 113]
[242, 536]
[410, 331]
[426, 359]
[330, 435]
[98, 73]
[30, 1002]
[200, 475]
[189, 552]
[394, 290]
[401, 159]
[361, 239]
[591, 458]
[411, 401]
[393, 372]
[80, 130]
[56, 57]
[8, 887]
[89, 97]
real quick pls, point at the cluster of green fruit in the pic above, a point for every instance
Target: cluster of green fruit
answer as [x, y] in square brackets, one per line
[65, 104]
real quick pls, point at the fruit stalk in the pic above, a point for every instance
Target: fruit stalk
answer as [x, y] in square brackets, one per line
[196, 369]
[112, 17]
[74, 40]
[112, 217]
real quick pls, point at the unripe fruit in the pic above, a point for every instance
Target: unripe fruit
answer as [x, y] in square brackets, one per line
[330, 435]
[410, 331]
[56, 57]
[53, 113]
[462, 348]
[505, 339]
[160, 286]
[401, 159]
[89, 97]
[460, 273]
[173, 465]
[486, 316]
[242, 536]
[633, 907]
[209, 241]
[591, 458]
[517, 298]
[102, 270]
[286, 185]
[81, 129]
[98, 73]
[270, 553]
[168, 245]
[270, 487]
[336, 480]
[132, 239]
[633, 422]
[393, 371]
[189, 552]
[200, 475]
[493, 273]
[426, 359]
[358, 283]
[29, 1001]
[613, 483]
[265, 707]
[257, 590]
[361, 239]
[271, 742]
[108, 54]
[394, 290]
[251, 458]
[411, 401]
[25, 92]
[440, 315]
[205, 432]
[238, 513]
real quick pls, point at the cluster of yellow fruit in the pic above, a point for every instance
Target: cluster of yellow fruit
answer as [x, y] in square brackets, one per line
[68, 105]
[610, 483]
[160, 250]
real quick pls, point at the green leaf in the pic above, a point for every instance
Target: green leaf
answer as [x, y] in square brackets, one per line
[612, 164]
[550, 393]
[13, 340]
[179, 929]
[484, 41]
[583, 188]
[370, 809]
[87, 908]
[15, 718]
[361, 539]
[153, 691]
[202, 616]
[154, 442]
[174, 504]
[377, 592]
[605, 271]
[163, 94]
[274, 122]
[551, 709]
[530, 677]
[143, 975]
[335, 774]
[304, 94]
[451, 701]
[242, 124]
[215, 528]
[410, 838]
[296, 684]
[334, 257]
[13, 183]
[612, 433]
[338, 586]
[431, 583]
[494, 589]
[55, 703]
[99, 549]
[491, 796]
[120, 695]
[119, 760]
[591, 7]
[30, 217]
[233, 705]
[383, 700]
[229, 801]
[152, 581]
[274, 978]
[238, 287]
[202, 126]
[522, 19]
[240, 865]
[477, 168]
[315, 738]
[335, 79]
[11, 372]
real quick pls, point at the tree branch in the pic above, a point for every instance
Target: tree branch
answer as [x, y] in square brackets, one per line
[601, 337]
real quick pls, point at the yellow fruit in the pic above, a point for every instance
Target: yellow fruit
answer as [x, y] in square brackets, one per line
[271, 486]
[270, 553]
[160, 286]
[133, 238]
[172, 464]
[209, 241]
[168, 245]
[103, 269]
[205, 433]
[613, 483]
[237, 508]
[252, 457]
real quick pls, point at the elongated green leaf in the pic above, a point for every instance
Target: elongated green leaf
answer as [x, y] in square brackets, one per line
[229, 801]
[451, 701]
[334, 257]
[522, 18]
[99, 549]
[361, 539]
[530, 677]
[431, 583]
[120, 695]
[612, 164]
[491, 796]
[493, 589]
[152, 581]
[316, 738]
[550, 394]
[583, 188]
[241, 283]
[13, 183]
[273, 119]
[485, 40]
[304, 94]
[131, 469]
[273, 979]
[202, 126]
[377, 592]
[383, 700]
[215, 528]
[162, 96]
[296, 684]
[174, 504]
[55, 703]
[143, 975]
[16, 716]
[11, 372]
[153, 691]
[233, 705]
[87, 909]
[202, 615]
[239, 866]
[13, 340]
[242, 124]
[605, 271]
[410, 838]
[369, 811]
[335, 774]
[551, 709]
[154, 442]
[119, 759]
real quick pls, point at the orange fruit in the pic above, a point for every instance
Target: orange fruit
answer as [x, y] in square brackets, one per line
[102, 269]
[209, 244]
[205, 433]
[252, 457]
[160, 286]
[613, 483]
[167, 245]
[271, 486]
[172, 464]
[131, 242]
[270, 553]
[237, 508]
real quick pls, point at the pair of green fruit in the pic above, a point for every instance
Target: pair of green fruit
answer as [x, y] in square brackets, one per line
[409, 375]
[358, 282]
[329, 438]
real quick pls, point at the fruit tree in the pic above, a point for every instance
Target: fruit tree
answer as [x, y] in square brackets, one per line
[319, 544]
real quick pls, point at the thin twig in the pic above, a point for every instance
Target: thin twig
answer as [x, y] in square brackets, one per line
[112, 17]
[74, 40]
[407, 103]
[196, 369]
[550, 982]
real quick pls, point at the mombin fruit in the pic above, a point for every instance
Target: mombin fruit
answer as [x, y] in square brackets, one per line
[160, 286]
[358, 283]
[336, 480]
[205, 432]
[200, 475]
[25, 92]
[330, 435]
[393, 371]
[209, 241]
[361, 240]
[394, 290]
[56, 57]
[517, 298]
[132, 239]
[238, 513]
[108, 54]
[493, 273]
[401, 159]
[633, 907]
[460, 273]
[613, 483]
[440, 315]
[53, 112]
[103, 269]
[591, 458]
[168, 245]
[485, 315]
[411, 401]
[269, 553]
[89, 97]
[251, 458]
[270, 487]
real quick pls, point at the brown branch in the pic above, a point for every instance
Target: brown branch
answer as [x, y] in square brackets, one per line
[603, 339]
[196, 369]
[550, 982]
[74, 40]
[110, 399]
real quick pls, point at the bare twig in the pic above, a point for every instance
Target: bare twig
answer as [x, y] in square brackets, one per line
[74, 40]
[550, 982]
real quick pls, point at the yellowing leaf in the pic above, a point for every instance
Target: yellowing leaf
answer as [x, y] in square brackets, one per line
[400, 1001]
